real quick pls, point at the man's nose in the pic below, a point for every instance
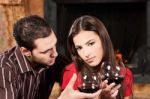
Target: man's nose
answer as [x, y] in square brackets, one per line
[55, 53]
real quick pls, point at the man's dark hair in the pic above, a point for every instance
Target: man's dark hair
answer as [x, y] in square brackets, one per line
[30, 28]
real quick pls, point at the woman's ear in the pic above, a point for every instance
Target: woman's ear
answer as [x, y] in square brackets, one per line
[25, 51]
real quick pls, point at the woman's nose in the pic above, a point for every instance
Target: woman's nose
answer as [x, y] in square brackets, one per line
[86, 53]
[87, 56]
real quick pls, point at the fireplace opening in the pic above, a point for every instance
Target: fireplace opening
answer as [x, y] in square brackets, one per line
[126, 23]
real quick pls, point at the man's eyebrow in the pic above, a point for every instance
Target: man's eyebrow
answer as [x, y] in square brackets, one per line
[45, 50]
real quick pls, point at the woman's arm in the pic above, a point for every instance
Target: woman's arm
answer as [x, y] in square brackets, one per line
[128, 84]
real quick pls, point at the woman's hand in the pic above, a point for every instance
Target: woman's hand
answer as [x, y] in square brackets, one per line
[109, 91]
[70, 93]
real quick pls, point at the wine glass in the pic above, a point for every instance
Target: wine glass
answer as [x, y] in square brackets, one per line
[113, 73]
[88, 82]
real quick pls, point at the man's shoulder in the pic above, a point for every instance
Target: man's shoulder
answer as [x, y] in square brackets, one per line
[6, 54]
[7, 58]
[7, 65]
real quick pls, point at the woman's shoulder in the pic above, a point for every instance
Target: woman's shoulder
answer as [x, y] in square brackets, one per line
[129, 75]
[71, 67]
[128, 71]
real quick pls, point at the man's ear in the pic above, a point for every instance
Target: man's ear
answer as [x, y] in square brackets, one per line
[25, 51]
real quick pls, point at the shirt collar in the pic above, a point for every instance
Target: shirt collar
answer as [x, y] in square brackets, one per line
[23, 63]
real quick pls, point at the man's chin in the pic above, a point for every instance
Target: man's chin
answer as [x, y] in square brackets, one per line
[51, 64]
[47, 65]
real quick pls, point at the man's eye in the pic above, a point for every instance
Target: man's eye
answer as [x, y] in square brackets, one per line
[47, 51]
[44, 52]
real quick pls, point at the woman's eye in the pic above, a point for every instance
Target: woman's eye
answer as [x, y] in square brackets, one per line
[91, 43]
[78, 48]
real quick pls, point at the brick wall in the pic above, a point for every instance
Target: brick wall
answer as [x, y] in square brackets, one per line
[10, 11]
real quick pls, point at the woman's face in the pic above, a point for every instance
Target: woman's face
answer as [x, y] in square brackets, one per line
[89, 47]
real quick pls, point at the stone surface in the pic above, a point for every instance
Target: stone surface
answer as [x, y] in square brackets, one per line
[12, 10]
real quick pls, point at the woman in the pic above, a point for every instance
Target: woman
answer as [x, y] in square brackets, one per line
[89, 45]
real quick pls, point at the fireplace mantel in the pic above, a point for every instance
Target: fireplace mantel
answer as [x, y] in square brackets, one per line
[98, 1]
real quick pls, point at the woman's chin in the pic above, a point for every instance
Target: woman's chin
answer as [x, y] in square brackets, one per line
[92, 64]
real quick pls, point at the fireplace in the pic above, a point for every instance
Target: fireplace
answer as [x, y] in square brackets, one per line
[127, 21]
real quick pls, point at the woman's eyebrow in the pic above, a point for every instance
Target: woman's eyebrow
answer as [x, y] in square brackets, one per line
[76, 46]
[89, 41]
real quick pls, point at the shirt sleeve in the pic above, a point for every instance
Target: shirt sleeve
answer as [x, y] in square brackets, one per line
[66, 78]
[128, 83]
[7, 89]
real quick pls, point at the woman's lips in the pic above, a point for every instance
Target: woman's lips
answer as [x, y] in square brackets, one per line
[89, 60]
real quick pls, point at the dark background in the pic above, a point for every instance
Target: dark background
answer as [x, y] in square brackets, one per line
[127, 22]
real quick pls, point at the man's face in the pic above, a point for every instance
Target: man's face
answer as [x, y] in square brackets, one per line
[45, 52]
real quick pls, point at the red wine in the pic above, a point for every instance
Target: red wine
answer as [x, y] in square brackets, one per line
[88, 89]
[117, 80]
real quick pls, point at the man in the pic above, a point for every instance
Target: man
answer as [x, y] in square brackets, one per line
[29, 70]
